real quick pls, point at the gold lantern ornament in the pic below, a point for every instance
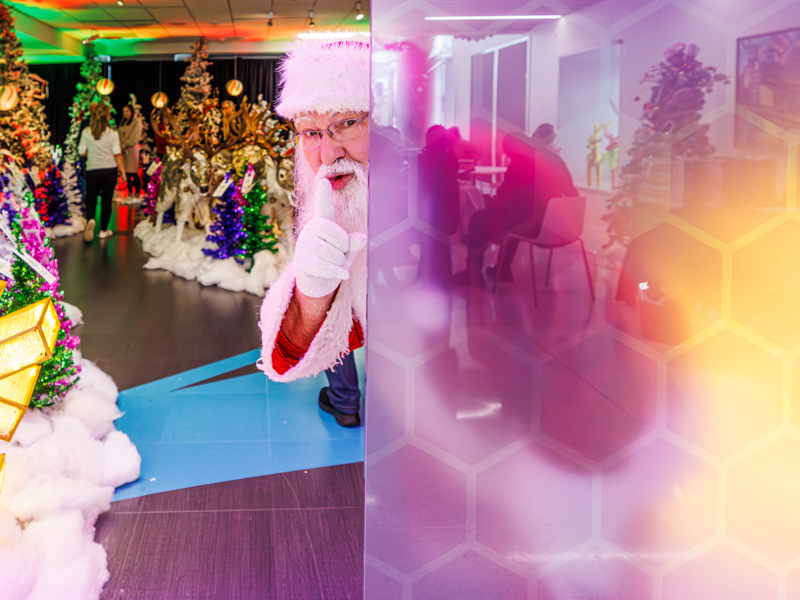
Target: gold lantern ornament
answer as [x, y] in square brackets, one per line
[8, 98]
[159, 99]
[105, 86]
[27, 338]
[234, 87]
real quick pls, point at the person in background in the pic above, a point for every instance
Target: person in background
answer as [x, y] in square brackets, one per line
[552, 180]
[512, 205]
[438, 199]
[463, 149]
[99, 145]
[130, 135]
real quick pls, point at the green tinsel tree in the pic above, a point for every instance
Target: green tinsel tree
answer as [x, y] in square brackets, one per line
[257, 227]
[59, 373]
[669, 129]
[23, 128]
[92, 72]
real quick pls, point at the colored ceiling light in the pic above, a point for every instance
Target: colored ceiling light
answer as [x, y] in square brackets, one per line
[8, 98]
[105, 86]
[234, 87]
[311, 18]
[494, 18]
[159, 99]
[27, 338]
[359, 14]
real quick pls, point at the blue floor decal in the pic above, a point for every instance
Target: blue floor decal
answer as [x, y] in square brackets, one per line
[242, 427]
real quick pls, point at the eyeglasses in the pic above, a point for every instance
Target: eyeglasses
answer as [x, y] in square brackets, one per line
[341, 131]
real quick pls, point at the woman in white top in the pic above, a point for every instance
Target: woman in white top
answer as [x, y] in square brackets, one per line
[100, 146]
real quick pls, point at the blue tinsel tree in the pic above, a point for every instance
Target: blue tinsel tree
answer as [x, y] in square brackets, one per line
[52, 203]
[227, 231]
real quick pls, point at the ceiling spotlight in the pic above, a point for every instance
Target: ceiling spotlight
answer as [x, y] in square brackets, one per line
[120, 2]
[311, 18]
[359, 14]
[271, 16]
[91, 38]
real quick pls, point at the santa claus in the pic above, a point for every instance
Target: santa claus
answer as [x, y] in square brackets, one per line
[314, 315]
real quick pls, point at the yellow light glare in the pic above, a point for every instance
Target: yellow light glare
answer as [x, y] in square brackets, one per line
[28, 336]
[16, 390]
[2, 470]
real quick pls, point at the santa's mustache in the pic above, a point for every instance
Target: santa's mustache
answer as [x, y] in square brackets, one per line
[343, 166]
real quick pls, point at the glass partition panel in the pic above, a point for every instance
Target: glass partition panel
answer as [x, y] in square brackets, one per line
[583, 357]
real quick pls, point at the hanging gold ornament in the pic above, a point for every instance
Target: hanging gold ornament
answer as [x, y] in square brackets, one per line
[234, 87]
[159, 99]
[8, 98]
[105, 86]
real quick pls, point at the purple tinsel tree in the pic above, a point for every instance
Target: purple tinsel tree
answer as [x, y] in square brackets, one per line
[150, 200]
[52, 203]
[227, 231]
[153, 188]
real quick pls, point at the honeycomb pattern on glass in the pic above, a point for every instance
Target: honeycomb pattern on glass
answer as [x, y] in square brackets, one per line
[628, 466]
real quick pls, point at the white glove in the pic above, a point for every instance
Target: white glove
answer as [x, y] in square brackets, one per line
[324, 252]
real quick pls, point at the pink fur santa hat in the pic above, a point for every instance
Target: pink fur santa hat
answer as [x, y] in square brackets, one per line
[325, 75]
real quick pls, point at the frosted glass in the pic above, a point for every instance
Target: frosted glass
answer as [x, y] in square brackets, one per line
[623, 424]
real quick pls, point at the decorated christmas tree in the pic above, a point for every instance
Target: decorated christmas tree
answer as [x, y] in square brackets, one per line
[227, 231]
[670, 128]
[86, 93]
[69, 182]
[196, 90]
[23, 129]
[52, 203]
[257, 227]
[26, 286]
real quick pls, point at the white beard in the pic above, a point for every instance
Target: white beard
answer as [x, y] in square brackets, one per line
[350, 205]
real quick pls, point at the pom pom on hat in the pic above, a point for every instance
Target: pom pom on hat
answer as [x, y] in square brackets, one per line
[325, 75]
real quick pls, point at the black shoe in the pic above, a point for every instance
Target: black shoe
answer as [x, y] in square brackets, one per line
[342, 419]
[505, 274]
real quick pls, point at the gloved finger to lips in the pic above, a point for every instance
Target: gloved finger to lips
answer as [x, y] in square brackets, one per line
[323, 205]
[334, 235]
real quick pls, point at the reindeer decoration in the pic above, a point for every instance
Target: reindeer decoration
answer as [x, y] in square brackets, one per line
[594, 160]
[201, 149]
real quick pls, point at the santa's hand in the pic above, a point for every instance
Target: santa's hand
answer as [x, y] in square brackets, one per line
[324, 252]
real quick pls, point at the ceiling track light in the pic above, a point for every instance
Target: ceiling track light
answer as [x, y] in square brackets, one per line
[120, 2]
[271, 16]
[359, 14]
[91, 39]
[310, 18]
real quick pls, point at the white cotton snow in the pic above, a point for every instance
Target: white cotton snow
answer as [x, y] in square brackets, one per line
[185, 259]
[61, 471]
[73, 313]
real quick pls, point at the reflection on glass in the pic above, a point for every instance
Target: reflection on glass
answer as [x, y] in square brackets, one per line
[584, 354]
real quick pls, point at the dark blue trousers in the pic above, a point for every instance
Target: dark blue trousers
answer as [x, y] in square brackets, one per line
[343, 388]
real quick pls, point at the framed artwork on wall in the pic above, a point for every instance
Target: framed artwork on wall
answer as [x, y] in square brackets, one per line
[767, 89]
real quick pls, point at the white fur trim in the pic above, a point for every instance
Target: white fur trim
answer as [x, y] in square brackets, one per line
[325, 75]
[330, 344]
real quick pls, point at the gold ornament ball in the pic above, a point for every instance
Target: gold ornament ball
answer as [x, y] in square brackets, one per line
[105, 86]
[159, 99]
[234, 87]
[8, 98]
